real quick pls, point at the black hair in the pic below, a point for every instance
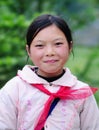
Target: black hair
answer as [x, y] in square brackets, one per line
[44, 21]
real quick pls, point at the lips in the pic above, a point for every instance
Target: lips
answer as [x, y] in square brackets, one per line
[50, 61]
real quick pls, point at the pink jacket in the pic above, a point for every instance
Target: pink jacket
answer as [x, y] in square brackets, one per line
[21, 104]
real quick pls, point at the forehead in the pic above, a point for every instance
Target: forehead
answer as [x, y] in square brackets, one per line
[50, 32]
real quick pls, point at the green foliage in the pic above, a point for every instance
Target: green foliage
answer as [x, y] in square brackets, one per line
[12, 42]
[85, 64]
[77, 13]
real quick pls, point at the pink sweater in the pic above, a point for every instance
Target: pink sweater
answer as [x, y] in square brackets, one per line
[21, 104]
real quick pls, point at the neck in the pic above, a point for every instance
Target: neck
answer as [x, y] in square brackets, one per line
[53, 78]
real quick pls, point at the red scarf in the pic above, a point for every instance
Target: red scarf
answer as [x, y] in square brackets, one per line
[65, 92]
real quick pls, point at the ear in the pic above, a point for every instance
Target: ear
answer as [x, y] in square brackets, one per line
[28, 50]
[71, 47]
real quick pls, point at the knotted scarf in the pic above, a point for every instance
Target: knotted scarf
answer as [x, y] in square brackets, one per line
[65, 92]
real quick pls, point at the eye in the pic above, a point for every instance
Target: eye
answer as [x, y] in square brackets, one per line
[58, 43]
[39, 46]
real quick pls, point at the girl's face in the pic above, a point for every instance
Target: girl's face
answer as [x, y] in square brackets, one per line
[49, 51]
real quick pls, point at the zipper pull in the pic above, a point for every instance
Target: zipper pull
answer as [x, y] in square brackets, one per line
[50, 84]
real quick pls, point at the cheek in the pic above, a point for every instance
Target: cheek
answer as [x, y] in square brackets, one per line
[35, 55]
[35, 59]
[64, 52]
[64, 55]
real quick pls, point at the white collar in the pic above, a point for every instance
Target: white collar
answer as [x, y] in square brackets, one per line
[31, 77]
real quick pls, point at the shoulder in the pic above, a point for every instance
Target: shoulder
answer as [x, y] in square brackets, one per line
[78, 83]
[9, 92]
[16, 82]
[81, 84]
[11, 88]
[72, 80]
[12, 83]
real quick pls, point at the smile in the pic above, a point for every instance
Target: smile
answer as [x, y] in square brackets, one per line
[51, 61]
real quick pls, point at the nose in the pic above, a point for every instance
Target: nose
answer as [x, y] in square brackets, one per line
[49, 51]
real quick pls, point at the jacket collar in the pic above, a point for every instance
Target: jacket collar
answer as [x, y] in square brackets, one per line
[31, 77]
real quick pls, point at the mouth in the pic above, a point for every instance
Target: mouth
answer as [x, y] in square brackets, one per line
[50, 61]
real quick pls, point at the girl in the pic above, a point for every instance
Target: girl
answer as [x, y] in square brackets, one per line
[48, 96]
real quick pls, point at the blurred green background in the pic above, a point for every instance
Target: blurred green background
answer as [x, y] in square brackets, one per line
[83, 19]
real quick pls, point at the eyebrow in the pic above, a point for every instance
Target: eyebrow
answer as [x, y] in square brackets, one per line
[38, 40]
[58, 39]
